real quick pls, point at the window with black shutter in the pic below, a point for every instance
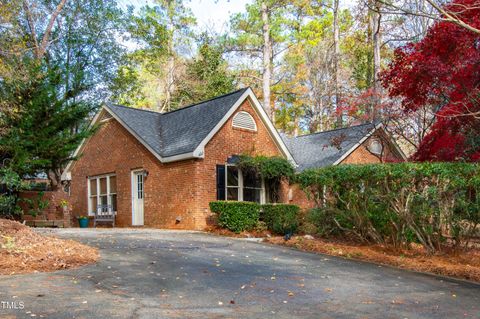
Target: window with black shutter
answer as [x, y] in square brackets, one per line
[220, 182]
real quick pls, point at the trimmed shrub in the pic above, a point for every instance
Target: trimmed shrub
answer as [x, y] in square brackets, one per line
[236, 216]
[430, 203]
[281, 218]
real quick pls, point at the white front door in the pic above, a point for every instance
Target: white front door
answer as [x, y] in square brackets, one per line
[137, 198]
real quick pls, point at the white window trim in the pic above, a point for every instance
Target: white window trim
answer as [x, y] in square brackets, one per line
[109, 199]
[240, 185]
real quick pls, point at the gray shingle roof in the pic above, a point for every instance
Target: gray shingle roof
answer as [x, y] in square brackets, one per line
[325, 148]
[180, 131]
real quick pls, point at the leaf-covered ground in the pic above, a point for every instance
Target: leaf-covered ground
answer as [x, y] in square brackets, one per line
[23, 251]
[465, 265]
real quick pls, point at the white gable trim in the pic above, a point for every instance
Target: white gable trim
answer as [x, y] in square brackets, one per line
[142, 141]
[200, 149]
[357, 145]
[66, 175]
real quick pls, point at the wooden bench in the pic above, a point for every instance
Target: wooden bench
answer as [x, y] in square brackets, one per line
[104, 213]
[45, 223]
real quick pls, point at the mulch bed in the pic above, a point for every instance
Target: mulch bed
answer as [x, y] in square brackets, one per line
[245, 234]
[24, 251]
[464, 265]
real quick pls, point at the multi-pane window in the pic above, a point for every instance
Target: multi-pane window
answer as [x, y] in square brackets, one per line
[139, 186]
[252, 187]
[102, 192]
[243, 186]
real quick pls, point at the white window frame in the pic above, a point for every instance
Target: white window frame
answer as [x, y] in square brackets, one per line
[375, 142]
[91, 211]
[254, 129]
[240, 185]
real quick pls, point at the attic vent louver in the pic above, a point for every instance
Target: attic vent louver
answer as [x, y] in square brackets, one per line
[105, 117]
[245, 121]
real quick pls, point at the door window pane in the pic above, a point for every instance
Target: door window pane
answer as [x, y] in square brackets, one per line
[139, 186]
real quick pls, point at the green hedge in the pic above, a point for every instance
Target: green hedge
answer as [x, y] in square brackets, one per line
[430, 203]
[280, 218]
[240, 216]
[236, 216]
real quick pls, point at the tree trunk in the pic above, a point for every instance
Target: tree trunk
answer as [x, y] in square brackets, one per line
[41, 48]
[267, 61]
[169, 76]
[169, 79]
[376, 39]
[336, 58]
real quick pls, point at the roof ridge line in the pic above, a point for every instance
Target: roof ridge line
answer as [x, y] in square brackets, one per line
[134, 108]
[333, 130]
[209, 100]
[179, 109]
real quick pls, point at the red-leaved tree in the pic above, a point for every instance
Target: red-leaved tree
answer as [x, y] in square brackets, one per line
[442, 72]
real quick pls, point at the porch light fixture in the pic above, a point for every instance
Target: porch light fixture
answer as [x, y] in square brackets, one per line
[145, 173]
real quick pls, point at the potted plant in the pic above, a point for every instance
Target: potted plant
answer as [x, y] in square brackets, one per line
[82, 221]
[64, 204]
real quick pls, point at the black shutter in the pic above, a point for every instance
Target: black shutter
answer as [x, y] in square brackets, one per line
[220, 182]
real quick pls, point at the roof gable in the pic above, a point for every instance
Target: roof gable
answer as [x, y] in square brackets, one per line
[329, 147]
[183, 133]
[177, 132]
[184, 129]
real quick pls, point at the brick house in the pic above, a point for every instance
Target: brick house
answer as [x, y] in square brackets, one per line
[162, 169]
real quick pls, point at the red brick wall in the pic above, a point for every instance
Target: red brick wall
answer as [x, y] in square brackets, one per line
[179, 189]
[229, 141]
[53, 212]
[167, 189]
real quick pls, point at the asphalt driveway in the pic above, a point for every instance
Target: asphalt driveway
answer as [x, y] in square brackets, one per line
[168, 274]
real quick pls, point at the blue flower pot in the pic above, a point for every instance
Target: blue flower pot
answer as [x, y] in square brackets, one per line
[83, 222]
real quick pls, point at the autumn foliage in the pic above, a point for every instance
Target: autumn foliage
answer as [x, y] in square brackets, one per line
[443, 72]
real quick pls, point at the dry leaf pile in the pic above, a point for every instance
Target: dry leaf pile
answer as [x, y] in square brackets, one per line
[22, 251]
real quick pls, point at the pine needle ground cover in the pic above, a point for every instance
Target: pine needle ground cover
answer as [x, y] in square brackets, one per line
[24, 251]
[463, 264]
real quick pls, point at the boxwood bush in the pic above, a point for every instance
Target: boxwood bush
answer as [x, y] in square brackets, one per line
[280, 218]
[236, 216]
